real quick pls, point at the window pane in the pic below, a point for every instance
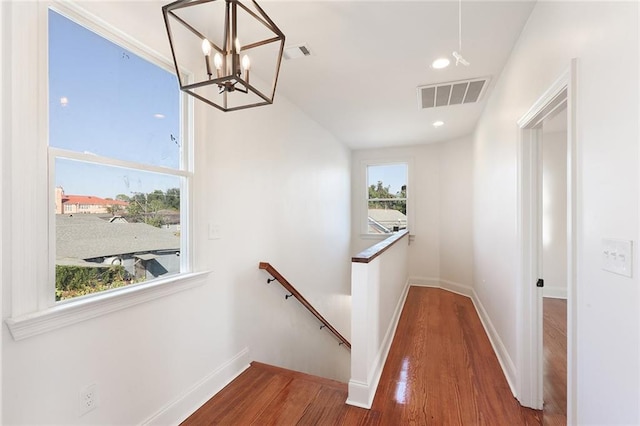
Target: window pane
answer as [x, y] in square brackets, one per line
[105, 100]
[387, 198]
[387, 216]
[387, 179]
[114, 227]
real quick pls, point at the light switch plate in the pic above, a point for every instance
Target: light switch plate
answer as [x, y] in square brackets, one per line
[214, 232]
[617, 256]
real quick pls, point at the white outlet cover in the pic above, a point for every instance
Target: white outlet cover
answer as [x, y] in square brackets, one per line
[88, 399]
[617, 256]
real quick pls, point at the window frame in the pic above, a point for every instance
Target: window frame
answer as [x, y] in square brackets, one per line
[33, 308]
[364, 194]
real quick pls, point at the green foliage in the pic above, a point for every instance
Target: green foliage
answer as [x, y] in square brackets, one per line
[382, 198]
[115, 209]
[74, 281]
[147, 208]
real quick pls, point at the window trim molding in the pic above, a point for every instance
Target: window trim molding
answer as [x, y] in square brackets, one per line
[113, 162]
[76, 310]
[31, 311]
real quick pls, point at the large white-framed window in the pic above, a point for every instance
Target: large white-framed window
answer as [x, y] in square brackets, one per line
[112, 132]
[385, 205]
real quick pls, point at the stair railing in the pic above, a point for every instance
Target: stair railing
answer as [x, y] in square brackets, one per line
[277, 276]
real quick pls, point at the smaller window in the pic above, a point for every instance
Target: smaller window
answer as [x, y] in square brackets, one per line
[386, 198]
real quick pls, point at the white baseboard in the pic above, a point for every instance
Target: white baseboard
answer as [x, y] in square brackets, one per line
[508, 367]
[193, 398]
[506, 363]
[362, 394]
[425, 282]
[451, 286]
[555, 292]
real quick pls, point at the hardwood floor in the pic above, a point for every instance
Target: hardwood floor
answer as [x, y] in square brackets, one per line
[555, 361]
[441, 370]
[268, 395]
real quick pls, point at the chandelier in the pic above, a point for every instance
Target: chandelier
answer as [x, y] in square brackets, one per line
[227, 53]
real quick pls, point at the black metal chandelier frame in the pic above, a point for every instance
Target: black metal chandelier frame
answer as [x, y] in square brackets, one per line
[229, 77]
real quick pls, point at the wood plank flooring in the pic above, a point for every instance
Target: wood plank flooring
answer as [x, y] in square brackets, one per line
[555, 361]
[268, 395]
[441, 370]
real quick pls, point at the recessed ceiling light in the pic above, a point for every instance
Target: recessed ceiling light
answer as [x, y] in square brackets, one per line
[440, 63]
[438, 123]
[64, 101]
[158, 116]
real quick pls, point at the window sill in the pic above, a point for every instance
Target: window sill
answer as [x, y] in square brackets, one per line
[66, 314]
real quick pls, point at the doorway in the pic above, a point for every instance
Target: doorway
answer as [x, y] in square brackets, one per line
[530, 360]
[554, 266]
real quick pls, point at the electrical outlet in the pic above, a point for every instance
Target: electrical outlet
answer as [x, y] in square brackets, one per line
[88, 398]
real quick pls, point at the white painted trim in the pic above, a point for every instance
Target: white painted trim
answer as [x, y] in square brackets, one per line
[574, 236]
[114, 162]
[453, 287]
[425, 282]
[5, 135]
[361, 196]
[461, 289]
[529, 308]
[554, 292]
[505, 361]
[193, 398]
[65, 314]
[359, 391]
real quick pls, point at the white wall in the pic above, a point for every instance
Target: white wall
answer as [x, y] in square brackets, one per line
[440, 195]
[554, 213]
[379, 289]
[456, 203]
[278, 187]
[279, 190]
[604, 36]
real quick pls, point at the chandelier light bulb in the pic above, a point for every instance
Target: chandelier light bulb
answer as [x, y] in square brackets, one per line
[237, 45]
[246, 63]
[217, 61]
[206, 47]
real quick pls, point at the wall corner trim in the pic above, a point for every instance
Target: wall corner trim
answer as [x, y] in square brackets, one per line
[194, 397]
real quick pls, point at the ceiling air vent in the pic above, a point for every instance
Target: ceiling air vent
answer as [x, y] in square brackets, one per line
[452, 93]
[298, 51]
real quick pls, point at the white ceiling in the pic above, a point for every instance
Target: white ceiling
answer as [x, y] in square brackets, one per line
[368, 57]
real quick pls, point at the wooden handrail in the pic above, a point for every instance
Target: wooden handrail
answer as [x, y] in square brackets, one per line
[295, 293]
[376, 250]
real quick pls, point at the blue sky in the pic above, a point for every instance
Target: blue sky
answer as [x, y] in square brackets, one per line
[105, 100]
[394, 175]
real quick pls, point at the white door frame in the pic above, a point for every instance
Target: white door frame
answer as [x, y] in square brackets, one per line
[530, 356]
